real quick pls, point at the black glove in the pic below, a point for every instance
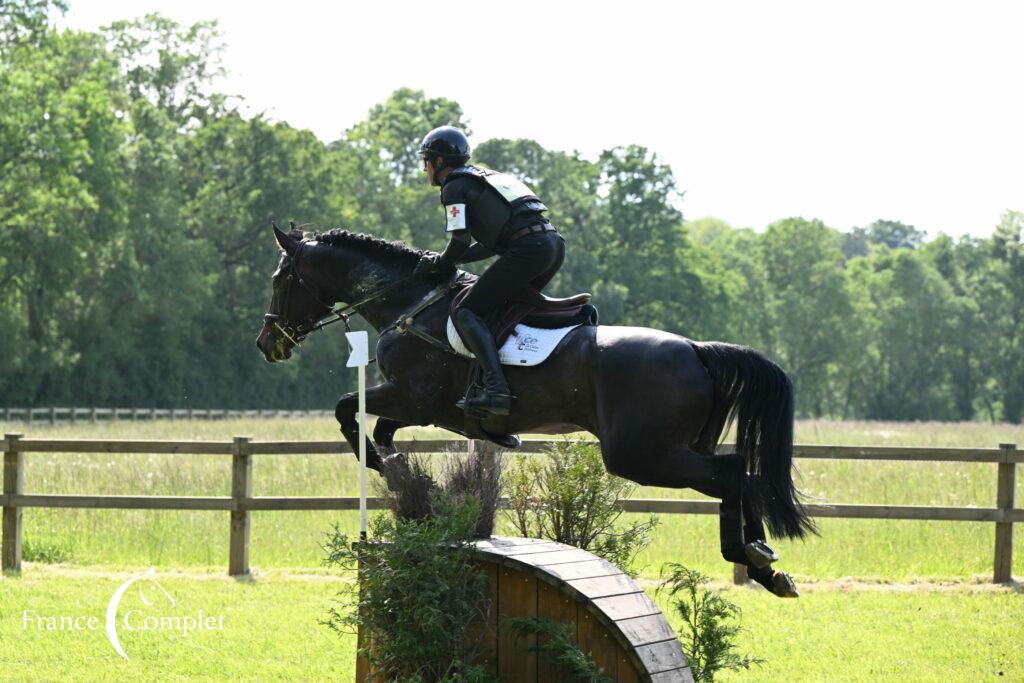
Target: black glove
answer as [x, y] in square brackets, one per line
[429, 263]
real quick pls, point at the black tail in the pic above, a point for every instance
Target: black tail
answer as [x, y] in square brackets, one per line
[759, 395]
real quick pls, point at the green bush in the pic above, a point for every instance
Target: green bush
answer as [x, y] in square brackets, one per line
[569, 497]
[557, 647]
[711, 622]
[418, 595]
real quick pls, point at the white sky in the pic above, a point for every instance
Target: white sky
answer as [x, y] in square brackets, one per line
[847, 113]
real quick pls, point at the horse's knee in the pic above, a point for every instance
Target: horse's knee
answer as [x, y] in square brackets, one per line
[345, 411]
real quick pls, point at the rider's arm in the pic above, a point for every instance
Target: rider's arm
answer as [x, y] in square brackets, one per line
[456, 196]
[476, 252]
[458, 245]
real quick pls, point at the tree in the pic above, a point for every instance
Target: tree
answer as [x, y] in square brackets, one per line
[807, 304]
[1003, 309]
[894, 234]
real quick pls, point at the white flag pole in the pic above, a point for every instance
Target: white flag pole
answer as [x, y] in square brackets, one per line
[360, 357]
[362, 452]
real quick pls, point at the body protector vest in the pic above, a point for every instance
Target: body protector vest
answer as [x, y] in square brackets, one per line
[514, 204]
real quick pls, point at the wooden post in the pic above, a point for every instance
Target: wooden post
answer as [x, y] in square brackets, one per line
[53, 415]
[1006, 482]
[241, 487]
[739, 574]
[92, 415]
[14, 482]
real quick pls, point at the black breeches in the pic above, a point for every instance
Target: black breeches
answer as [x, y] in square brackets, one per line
[532, 260]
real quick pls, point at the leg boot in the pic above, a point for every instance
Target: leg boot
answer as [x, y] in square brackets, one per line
[496, 397]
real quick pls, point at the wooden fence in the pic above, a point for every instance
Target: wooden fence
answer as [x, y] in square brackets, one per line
[241, 502]
[55, 415]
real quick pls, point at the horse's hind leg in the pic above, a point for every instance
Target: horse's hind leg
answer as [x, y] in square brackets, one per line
[718, 476]
[757, 549]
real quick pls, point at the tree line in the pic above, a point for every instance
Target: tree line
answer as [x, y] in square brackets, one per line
[135, 251]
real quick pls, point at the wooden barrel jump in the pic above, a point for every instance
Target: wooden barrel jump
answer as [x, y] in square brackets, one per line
[610, 615]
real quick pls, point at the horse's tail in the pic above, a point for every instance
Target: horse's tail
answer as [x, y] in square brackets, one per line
[758, 394]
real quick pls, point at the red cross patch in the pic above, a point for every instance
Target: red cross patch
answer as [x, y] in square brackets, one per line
[456, 215]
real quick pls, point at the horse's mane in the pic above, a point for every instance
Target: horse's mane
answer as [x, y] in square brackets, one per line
[345, 238]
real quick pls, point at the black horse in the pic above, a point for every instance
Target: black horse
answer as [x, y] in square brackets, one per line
[657, 402]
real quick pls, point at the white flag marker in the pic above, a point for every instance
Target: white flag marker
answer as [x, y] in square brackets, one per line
[360, 357]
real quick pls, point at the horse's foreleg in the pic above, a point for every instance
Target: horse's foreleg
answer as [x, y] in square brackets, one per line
[384, 434]
[390, 403]
[345, 413]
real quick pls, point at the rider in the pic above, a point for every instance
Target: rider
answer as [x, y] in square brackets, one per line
[487, 213]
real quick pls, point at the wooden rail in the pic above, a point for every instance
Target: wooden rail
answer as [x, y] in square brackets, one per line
[63, 415]
[241, 501]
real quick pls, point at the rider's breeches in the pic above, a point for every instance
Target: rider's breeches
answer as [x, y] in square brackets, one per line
[531, 260]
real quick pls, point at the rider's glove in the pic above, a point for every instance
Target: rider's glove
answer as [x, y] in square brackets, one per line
[429, 263]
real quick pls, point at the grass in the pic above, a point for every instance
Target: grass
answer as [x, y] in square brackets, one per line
[270, 630]
[870, 635]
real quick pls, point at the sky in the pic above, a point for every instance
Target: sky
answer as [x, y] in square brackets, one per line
[764, 110]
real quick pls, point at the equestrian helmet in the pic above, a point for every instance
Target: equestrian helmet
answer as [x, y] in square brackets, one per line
[447, 142]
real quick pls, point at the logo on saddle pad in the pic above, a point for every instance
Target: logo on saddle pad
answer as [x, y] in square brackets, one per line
[528, 343]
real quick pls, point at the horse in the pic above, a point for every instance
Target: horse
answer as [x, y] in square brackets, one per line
[658, 403]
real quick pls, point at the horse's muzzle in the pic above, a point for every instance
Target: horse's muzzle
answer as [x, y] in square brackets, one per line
[274, 348]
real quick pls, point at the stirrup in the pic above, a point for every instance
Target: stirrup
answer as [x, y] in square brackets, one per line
[760, 554]
[482, 404]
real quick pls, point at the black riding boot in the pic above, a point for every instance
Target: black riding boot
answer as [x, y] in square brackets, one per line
[496, 397]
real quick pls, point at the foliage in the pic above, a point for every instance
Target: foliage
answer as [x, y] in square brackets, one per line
[569, 497]
[418, 594]
[408, 487]
[554, 643]
[136, 197]
[50, 549]
[711, 623]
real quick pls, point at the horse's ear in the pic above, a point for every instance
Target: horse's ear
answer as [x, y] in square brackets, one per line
[284, 240]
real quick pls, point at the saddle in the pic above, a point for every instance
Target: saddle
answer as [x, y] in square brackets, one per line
[529, 307]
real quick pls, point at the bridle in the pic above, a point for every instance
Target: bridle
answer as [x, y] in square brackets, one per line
[296, 333]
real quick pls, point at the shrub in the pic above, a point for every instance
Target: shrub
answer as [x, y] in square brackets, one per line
[711, 622]
[418, 595]
[407, 486]
[557, 646]
[569, 497]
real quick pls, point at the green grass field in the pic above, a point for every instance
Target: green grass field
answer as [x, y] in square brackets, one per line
[885, 600]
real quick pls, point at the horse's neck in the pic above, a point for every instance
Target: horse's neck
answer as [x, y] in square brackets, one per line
[384, 310]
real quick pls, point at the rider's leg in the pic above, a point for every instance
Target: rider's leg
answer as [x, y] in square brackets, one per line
[496, 397]
[529, 260]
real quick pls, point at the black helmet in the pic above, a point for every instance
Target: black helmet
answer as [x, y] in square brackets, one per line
[447, 142]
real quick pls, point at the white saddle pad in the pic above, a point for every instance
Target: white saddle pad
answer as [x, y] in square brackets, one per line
[524, 347]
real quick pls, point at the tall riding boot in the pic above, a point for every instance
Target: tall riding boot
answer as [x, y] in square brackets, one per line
[496, 397]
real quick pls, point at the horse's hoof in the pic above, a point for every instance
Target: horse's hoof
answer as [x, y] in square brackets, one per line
[783, 586]
[760, 554]
[509, 441]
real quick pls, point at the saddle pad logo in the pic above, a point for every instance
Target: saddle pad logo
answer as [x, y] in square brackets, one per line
[528, 343]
